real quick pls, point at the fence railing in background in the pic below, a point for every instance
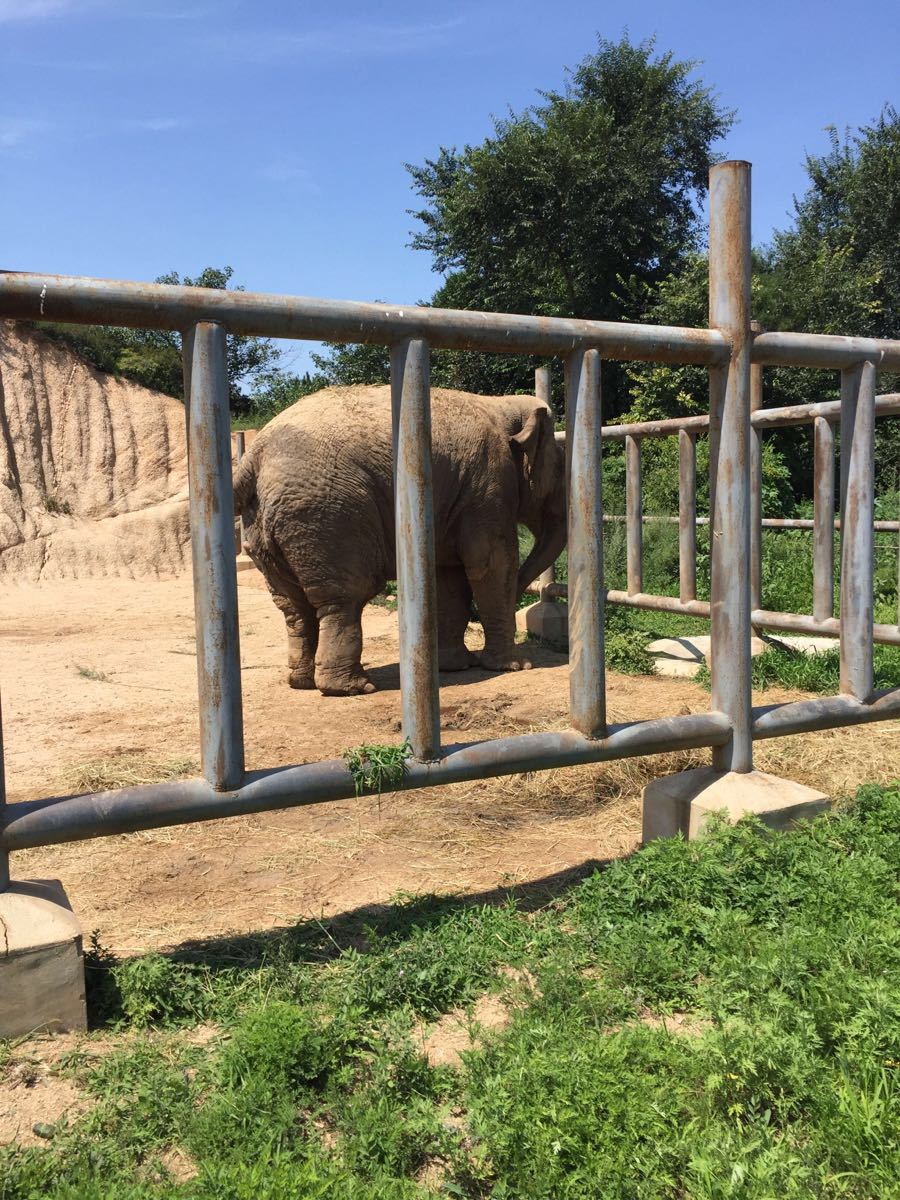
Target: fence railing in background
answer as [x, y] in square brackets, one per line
[821, 621]
[730, 351]
[856, 542]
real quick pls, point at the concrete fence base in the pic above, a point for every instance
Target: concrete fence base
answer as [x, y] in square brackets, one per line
[41, 960]
[683, 803]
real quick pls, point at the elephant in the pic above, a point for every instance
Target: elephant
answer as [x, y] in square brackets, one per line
[316, 494]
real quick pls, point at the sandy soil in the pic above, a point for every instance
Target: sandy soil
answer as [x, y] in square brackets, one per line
[98, 683]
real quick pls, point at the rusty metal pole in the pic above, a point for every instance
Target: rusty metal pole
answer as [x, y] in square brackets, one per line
[587, 681]
[212, 551]
[823, 519]
[687, 516]
[542, 389]
[634, 530]
[857, 536]
[756, 506]
[729, 312]
[416, 574]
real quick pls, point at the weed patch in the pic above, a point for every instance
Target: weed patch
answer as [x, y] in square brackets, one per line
[376, 767]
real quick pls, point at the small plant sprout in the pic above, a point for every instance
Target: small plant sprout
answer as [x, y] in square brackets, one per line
[91, 673]
[375, 767]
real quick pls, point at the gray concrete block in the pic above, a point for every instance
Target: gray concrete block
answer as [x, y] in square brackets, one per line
[41, 960]
[685, 802]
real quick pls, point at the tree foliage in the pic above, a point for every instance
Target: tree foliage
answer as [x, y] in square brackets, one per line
[575, 207]
[835, 270]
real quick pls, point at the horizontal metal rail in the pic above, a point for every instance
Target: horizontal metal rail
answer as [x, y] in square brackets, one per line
[760, 618]
[153, 806]
[767, 522]
[887, 405]
[165, 306]
[86, 301]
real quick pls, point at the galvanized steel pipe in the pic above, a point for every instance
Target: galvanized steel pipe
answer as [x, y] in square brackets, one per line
[68, 819]
[543, 391]
[827, 712]
[212, 554]
[634, 543]
[857, 515]
[84, 301]
[823, 519]
[587, 680]
[756, 400]
[729, 311]
[687, 515]
[416, 574]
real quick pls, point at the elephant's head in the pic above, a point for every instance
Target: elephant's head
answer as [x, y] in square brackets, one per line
[540, 461]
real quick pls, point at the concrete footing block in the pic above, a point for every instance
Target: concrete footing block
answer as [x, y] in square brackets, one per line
[41, 960]
[683, 803]
[546, 620]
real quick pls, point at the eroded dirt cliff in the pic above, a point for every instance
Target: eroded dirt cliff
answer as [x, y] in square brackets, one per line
[93, 469]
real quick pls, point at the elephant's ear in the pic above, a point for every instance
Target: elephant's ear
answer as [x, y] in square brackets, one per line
[532, 439]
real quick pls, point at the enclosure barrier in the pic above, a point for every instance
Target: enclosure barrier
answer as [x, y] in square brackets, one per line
[822, 417]
[731, 352]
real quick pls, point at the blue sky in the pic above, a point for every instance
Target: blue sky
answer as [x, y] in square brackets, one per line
[141, 136]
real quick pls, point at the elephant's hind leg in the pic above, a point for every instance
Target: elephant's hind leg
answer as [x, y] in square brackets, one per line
[454, 612]
[338, 667]
[302, 635]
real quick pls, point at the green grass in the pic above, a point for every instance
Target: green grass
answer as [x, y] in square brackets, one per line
[784, 951]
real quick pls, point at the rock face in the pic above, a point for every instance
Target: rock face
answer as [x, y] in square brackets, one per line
[93, 469]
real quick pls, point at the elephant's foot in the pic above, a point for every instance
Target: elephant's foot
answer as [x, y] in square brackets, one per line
[340, 683]
[504, 662]
[301, 678]
[456, 658]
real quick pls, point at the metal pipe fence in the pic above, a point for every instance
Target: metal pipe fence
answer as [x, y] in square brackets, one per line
[729, 349]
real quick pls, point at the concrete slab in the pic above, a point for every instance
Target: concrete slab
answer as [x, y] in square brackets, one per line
[41, 960]
[546, 620]
[684, 802]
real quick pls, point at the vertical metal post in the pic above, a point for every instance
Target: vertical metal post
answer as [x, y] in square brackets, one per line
[212, 550]
[729, 311]
[587, 596]
[416, 575]
[857, 534]
[4, 854]
[823, 519]
[687, 516]
[542, 389]
[756, 513]
[634, 532]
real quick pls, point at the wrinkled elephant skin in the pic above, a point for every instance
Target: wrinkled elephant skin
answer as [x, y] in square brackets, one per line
[316, 492]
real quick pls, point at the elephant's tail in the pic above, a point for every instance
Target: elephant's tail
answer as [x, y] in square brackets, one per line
[244, 482]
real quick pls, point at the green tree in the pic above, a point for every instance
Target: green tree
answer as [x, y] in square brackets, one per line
[575, 207]
[835, 270]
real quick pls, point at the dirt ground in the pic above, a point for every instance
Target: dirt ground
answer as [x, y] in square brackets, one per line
[99, 688]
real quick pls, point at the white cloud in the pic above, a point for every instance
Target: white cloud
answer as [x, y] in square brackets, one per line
[155, 124]
[15, 131]
[33, 10]
[285, 171]
[341, 41]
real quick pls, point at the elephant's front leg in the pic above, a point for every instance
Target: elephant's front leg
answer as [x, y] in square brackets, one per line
[494, 589]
